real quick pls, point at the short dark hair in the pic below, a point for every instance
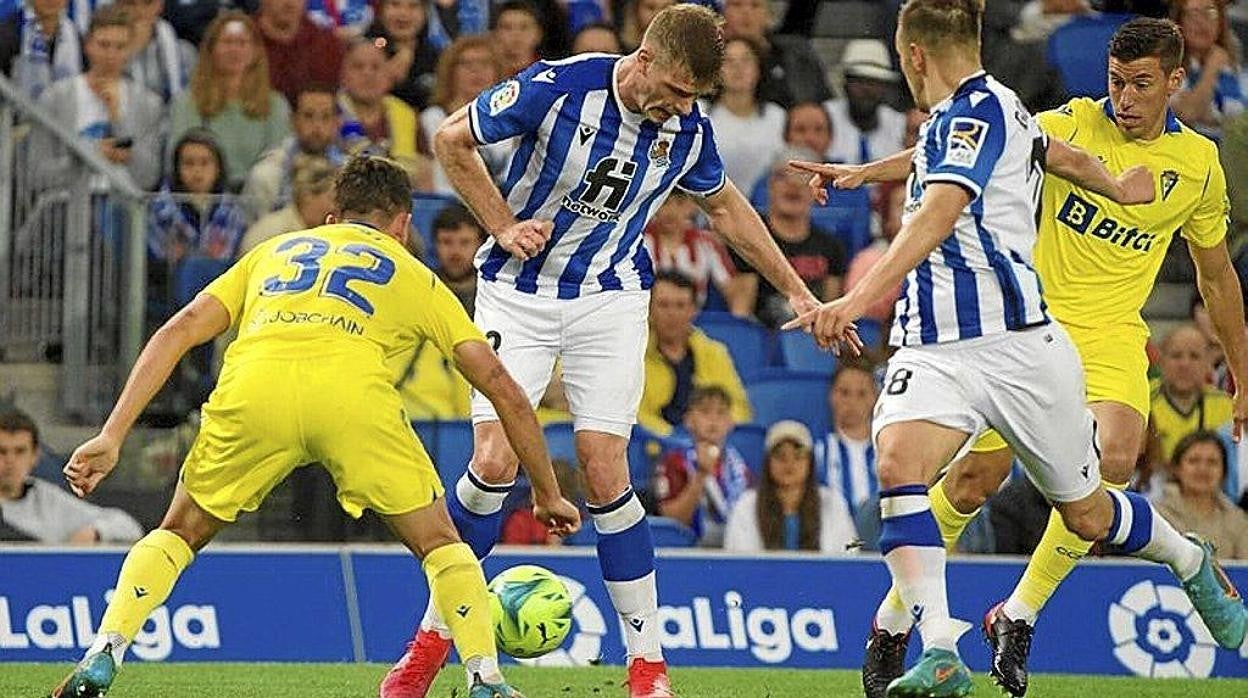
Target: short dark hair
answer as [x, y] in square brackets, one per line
[936, 24]
[705, 393]
[860, 365]
[371, 184]
[16, 421]
[1200, 437]
[678, 279]
[1144, 37]
[313, 88]
[515, 6]
[454, 217]
[109, 16]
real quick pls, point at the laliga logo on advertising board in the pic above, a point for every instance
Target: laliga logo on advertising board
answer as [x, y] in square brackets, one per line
[769, 634]
[69, 626]
[1157, 633]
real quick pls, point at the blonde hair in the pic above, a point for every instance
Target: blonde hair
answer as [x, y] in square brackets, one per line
[691, 37]
[942, 25]
[207, 91]
[444, 87]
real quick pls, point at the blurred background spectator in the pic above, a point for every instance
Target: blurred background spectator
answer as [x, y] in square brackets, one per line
[1195, 501]
[466, 68]
[39, 45]
[789, 510]
[1182, 400]
[159, 60]
[230, 96]
[402, 24]
[791, 71]
[635, 18]
[677, 244]
[808, 125]
[864, 126]
[1234, 157]
[456, 237]
[300, 52]
[315, 124]
[312, 192]
[346, 18]
[190, 217]
[517, 33]
[596, 38]
[846, 452]
[1214, 91]
[749, 133]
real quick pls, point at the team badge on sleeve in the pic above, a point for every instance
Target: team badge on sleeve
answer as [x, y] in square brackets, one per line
[966, 139]
[504, 96]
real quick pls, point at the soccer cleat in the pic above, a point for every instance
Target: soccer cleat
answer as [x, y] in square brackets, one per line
[90, 679]
[1010, 642]
[481, 689]
[648, 680]
[939, 674]
[415, 671]
[1216, 599]
[885, 660]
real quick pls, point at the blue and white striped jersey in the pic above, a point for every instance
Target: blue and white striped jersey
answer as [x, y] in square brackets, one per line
[596, 169]
[980, 280]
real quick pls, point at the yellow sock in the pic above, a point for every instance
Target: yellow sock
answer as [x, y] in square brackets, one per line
[147, 577]
[1053, 560]
[457, 586]
[893, 615]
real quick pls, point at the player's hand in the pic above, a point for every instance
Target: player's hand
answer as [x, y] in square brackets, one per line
[524, 240]
[560, 516]
[1239, 416]
[823, 174]
[1136, 186]
[831, 324]
[91, 463]
[807, 306]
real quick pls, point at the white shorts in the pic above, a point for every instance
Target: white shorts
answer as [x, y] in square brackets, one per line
[600, 337]
[1028, 385]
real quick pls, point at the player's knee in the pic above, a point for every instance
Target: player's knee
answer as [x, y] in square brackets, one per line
[895, 471]
[494, 463]
[1087, 522]
[967, 491]
[1118, 461]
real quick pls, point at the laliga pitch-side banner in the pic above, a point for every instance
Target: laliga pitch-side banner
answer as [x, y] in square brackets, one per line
[361, 604]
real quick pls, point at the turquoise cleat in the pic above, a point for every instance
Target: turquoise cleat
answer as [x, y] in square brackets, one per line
[90, 679]
[1216, 599]
[481, 689]
[939, 674]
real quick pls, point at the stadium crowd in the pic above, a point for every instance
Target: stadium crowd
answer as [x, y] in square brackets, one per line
[236, 116]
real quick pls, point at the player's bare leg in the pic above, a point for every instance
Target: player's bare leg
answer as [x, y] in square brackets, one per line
[474, 505]
[909, 454]
[626, 556]
[457, 589]
[147, 577]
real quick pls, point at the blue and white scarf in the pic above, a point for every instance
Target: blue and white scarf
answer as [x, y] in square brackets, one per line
[721, 492]
[159, 66]
[215, 236]
[285, 193]
[39, 64]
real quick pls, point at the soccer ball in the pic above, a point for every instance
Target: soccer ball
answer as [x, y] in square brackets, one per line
[532, 611]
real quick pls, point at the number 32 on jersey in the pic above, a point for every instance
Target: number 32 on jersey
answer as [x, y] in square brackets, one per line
[310, 251]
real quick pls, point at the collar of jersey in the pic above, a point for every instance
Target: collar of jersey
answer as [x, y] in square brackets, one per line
[969, 83]
[1172, 121]
[356, 221]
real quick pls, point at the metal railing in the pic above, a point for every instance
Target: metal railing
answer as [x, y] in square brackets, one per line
[71, 258]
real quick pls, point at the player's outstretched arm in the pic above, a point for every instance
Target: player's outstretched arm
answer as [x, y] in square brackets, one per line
[1220, 289]
[893, 168]
[1134, 186]
[201, 320]
[481, 366]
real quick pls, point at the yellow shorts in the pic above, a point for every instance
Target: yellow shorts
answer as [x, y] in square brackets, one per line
[267, 418]
[1115, 365]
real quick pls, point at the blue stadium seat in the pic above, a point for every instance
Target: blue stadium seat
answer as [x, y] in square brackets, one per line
[748, 341]
[426, 207]
[1079, 50]
[449, 445]
[871, 332]
[748, 440]
[192, 274]
[847, 217]
[799, 352]
[669, 533]
[644, 448]
[561, 441]
[782, 394]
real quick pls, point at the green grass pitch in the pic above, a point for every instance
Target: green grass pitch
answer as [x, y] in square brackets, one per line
[360, 680]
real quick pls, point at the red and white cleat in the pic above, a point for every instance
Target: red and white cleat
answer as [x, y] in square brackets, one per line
[648, 680]
[415, 671]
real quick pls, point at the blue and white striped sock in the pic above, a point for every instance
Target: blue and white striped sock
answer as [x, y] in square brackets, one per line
[626, 556]
[1140, 531]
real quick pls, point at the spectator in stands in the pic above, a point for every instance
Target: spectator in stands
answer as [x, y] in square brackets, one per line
[39, 45]
[789, 510]
[159, 60]
[1182, 401]
[191, 217]
[1233, 151]
[1220, 376]
[635, 19]
[372, 120]
[808, 125]
[818, 257]
[315, 124]
[411, 57]
[230, 96]
[346, 18]
[792, 72]
[847, 451]
[864, 126]
[312, 189]
[892, 197]
[1195, 501]
[1015, 48]
[517, 32]
[1038, 19]
[677, 244]
[680, 358]
[123, 119]
[299, 51]
[456, 237]
[749, 133]
[596, 38]
[468, 66]
[1019, 514]
[697, 484]
[190, 18]
[33, 509]
[1214, 91]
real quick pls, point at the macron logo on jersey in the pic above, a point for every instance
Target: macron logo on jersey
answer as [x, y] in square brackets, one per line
[966, 140]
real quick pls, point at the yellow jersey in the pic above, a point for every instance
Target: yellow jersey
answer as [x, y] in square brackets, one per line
[344, 290]
[1098, 259]
[1212, 411]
